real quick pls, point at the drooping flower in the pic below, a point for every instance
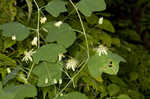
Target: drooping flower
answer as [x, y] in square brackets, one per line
[28, 55]
[71, 64]
[100, 21]
[101, 49]
[55, 81]
[58, 24]
[8, 70]
[43, 20]
[60, 81]
[13, 37]
[46, 80]
[60, 56]
[34, 41]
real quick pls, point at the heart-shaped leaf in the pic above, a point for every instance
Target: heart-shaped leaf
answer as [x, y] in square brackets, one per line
[48, 73]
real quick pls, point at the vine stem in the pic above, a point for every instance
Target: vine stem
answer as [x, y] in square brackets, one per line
[87, 46]
[38, 23]
[38, 35]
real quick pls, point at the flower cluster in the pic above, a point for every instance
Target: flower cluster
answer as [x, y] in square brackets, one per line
[28, 55]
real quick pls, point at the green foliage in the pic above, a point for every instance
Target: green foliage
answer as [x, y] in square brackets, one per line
[6, 61]
[88, 6]
[48, 71]
[15, 29]
[63, 35]
[55, 7]
[73, 95]
[20, 91]
[104, 63]
[48, 53]
[59, 49]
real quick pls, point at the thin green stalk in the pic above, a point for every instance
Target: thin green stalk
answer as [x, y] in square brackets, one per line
[38, 24]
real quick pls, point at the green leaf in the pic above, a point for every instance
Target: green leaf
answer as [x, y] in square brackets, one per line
[63, 35]
[15, 29]
[48, 53]
[47, 73]
[123, 96]
[21, 91]
[73, 95]
[106, 39]
[6, 61]
[5, 95]
[113, 89]
[116, 41]
[105, 63]
[107, 25]
[89, 6]
[55, 7]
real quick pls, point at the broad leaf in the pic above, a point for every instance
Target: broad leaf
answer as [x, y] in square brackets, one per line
[107, 25]
[73, 95]
[48, 73]
[48, 53]
[113, 89]
[63, 35]
[89, 6]
[55, 7]
[15, 29]
[21, 91]
[123, 96]
[105, 63]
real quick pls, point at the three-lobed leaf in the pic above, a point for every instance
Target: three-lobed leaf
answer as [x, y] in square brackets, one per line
[48, 53]
[105, 63]
[63, 34]
[48, 72]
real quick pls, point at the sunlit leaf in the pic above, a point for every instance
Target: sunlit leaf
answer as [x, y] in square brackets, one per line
[48, 73]
[89, 6]
[15, 29]
[105, 63]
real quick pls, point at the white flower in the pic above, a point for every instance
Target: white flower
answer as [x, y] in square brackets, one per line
[8, 70]
[13, 37]
[43, 20]
[71, 64]
[55, 81]
[60, 56]
[60, 81]
[28, 55]
[101, 50]
[100, 21]
[46, 80]
[61, 94]
[58, 24]
[34, 41]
